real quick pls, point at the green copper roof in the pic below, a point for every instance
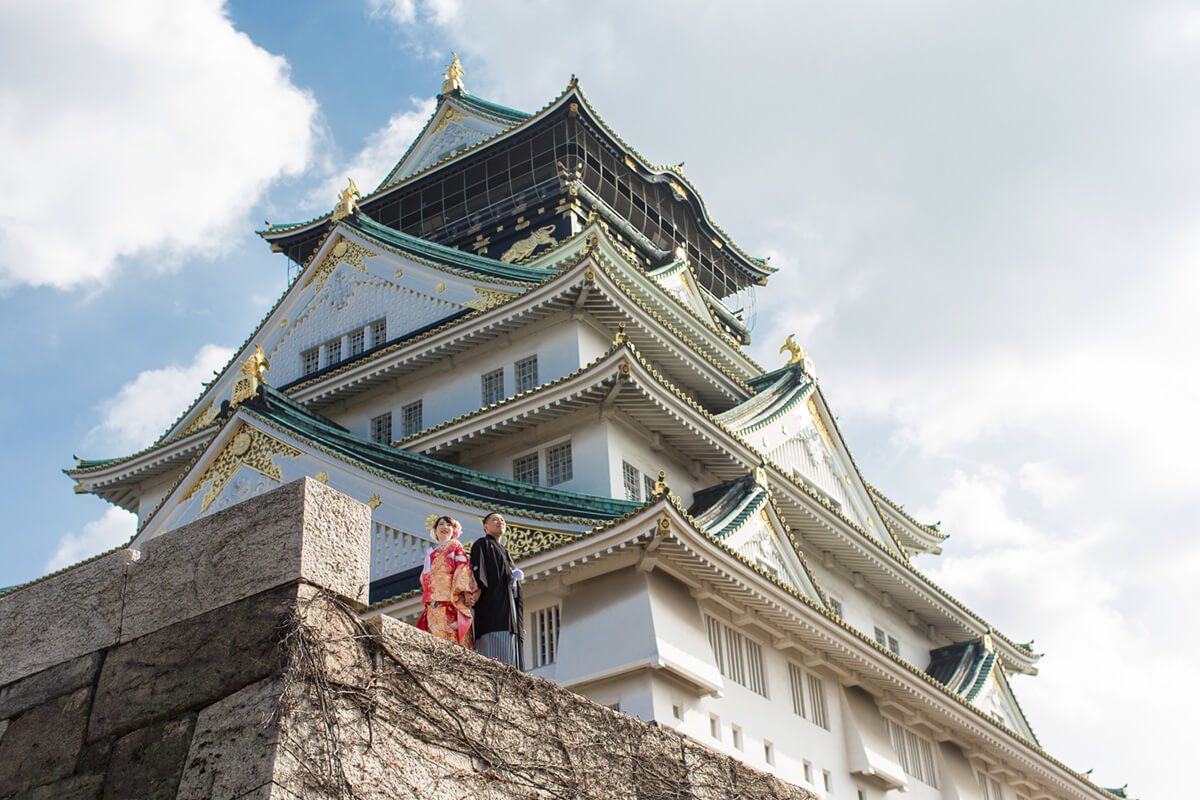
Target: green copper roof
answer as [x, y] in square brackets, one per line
[278, 410]
[92, 463]
[964, 667]
[775, 397]
[488, 108]
[722, 509]
[479, 265]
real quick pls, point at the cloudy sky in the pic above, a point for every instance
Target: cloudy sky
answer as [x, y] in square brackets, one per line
[986, 219]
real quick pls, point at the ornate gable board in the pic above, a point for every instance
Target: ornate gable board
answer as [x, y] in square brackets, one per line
[678, 281]
[996, 699]
[452, 129]
[761, 539]
[350, 284]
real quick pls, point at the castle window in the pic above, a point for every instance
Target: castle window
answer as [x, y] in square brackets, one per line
[381, 428]
[736, 735]
[990, 786]
[828, 776]
[333, 351]
[358, 341]
[378, 332]
[915, 753]
[714, 726]
[545, 629]
[558, 464]
[648, 484]
[796, 677]
[816, 701]
[525, 469]
[835, 605]
[738, 658]
[410, 419]
[887, 640]
[492, 384]
[633, 481]
[525, 374]
[310, 361]
[768, 752]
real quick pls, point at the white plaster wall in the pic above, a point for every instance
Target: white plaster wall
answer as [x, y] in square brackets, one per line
[606, 627]
[152, 492]
[862, 611]
[448, 389]
[628, 443]
[589, 453]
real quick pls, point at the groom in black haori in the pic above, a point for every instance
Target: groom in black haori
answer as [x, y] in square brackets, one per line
[500, 610]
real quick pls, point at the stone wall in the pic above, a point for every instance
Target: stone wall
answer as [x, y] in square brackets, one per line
[227, 659]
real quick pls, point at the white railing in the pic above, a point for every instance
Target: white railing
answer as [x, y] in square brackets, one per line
[394, 550]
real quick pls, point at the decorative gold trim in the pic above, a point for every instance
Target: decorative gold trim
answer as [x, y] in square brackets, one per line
[453, 75]
[521, 540]
[322, 477]
[399, 273]
[488, 298]
[796, 352]
[250, 447]
[816, 415]
[206, 417]
[374, 501]
[344, 252]
[347, 202]
[441, 287]
[523, 248]
[252, 375]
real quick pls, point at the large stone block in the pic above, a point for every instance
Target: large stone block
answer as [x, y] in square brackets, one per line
[234, 746]
[148, 762]
[41, 745]
[191, 664]
[49, 683]
[64, 616]
[80, 787]
[303, 530]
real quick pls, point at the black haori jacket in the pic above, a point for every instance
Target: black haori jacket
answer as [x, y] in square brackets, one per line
[501, 607]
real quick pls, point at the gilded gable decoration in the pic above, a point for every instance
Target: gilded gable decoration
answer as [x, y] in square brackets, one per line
[524, 248]
[454, 75]
[488, 298]
[252, 373]
[249, 447]
[347, 203]
[344, 252]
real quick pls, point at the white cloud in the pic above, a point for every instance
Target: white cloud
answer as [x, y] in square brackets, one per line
[382, 151]
[115, 528]
[152, 129]
[143, 408]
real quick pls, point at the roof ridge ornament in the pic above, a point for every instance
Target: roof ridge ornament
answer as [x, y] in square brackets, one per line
[454, 75]
[347, 202]
[797, 354]
[252, 375]
[660, 485]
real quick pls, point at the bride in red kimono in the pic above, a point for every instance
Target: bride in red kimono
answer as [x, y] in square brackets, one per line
[448, 587]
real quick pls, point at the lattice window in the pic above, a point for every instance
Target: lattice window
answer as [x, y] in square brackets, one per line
[525, 469]
[310, 361]
[558, 464]
[378, 332]
[410, 419]
[796, 678]
[816, 701]
[916, 754]
[738, 658]
[545, 627]
[492, 386]
[333, 351]
[887, 640]
[632, 480]
[990, 787]
[381, 428]
[648, 485]
[525, 374]
[358, 342]
[835, 606]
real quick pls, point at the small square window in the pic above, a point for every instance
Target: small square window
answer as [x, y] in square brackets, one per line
[828, 776]
[381, 428]
[492, 384]
[677, 711]
[558, 464]
[736, 735]
[525, 374]
[525, 469]
[410, 419]
[714, 726]
[808, 772]
[769, 752]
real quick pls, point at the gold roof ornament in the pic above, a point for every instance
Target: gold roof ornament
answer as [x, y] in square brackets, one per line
[347, 202]
[797, 354]
[621, 336]
[252, 375]
[454, 75]
[660, 485]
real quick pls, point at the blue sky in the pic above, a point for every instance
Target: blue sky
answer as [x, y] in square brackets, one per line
[986, 219]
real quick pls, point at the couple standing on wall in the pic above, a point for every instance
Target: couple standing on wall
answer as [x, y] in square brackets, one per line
[474, 601]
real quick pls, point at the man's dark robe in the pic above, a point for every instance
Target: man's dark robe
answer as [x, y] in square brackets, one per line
[500, 607]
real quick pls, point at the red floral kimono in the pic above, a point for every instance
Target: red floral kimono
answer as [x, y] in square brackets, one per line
[448, 592]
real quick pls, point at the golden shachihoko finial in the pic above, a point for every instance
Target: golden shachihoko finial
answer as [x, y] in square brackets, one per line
[347, 202]
[252, 372]
[796, 351]
[454, 75]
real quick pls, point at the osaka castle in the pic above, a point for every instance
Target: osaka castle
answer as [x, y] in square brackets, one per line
[527, 316]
